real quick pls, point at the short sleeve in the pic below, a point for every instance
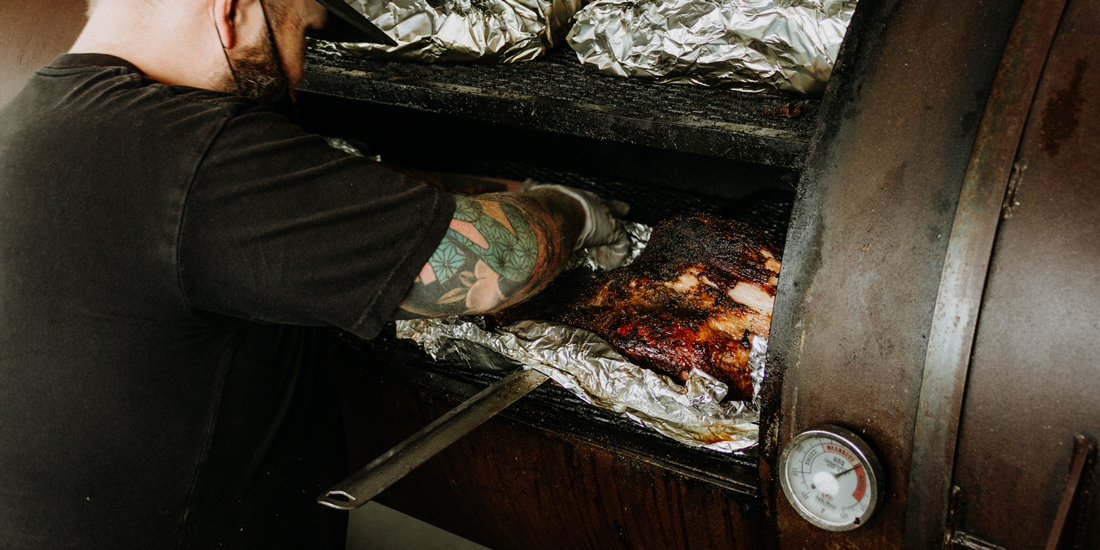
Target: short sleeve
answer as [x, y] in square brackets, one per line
[279, 227]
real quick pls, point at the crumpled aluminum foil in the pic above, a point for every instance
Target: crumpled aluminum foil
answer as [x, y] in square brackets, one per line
[501, 31]
[692, 413]
[746, 45]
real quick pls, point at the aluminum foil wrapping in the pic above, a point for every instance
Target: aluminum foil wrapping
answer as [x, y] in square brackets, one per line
[692, 413]
[747, 45]
[503, 31]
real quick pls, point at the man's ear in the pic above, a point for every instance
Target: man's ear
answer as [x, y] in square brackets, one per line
[225, 19]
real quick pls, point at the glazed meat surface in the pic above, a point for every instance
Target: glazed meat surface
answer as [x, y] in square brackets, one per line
[694, 298]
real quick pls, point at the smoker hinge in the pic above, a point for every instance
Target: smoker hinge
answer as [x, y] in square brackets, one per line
[955, 540]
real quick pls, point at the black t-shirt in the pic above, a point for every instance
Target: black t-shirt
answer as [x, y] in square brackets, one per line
[166, 256]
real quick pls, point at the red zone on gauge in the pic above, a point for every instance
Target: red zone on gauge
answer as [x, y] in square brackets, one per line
[861, 478]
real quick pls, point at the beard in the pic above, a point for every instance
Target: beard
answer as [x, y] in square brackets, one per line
[256, 74]
[257, 71]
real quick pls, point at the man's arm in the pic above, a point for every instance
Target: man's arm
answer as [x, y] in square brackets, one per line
[504, 247]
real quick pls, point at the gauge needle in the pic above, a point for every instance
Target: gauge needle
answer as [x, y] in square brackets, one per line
[845, 471]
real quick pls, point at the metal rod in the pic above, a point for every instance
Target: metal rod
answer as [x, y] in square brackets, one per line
[962, 282]
[363, 485]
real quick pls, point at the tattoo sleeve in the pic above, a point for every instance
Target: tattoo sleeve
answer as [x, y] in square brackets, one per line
[500, 248]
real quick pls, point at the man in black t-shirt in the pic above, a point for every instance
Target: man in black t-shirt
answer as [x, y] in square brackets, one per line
[169, 246]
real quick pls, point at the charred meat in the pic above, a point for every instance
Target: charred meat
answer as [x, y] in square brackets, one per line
[694, 298]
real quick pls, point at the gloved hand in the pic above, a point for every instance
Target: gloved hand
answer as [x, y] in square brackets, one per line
[602, 232]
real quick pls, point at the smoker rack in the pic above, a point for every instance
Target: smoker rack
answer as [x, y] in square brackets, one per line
[553, 112]
[664, 149]
[552, 408]
[556, 409]
[558, 94]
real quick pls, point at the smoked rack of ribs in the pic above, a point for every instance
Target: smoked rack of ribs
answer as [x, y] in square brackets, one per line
[694, 298]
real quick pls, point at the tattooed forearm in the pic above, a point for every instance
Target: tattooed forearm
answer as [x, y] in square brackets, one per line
[500, 248]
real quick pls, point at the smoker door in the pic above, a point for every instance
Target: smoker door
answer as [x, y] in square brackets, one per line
[872, 336]
[1035, 369]
[868, 236]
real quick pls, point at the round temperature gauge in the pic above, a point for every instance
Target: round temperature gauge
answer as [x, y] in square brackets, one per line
[831, 477]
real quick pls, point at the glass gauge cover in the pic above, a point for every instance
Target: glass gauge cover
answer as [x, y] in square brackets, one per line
[831, 477]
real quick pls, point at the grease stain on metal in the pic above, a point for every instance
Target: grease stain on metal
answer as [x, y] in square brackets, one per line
[1060, 114]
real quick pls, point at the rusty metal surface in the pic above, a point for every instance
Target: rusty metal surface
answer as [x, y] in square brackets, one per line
[1035, 369]
[967, 260]
[865, 250]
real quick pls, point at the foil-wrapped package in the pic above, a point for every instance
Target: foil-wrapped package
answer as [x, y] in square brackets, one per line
[497, 31]
[692, 413]
[747, 45]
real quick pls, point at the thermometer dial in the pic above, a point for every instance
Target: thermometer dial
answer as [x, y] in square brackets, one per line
[831, 477]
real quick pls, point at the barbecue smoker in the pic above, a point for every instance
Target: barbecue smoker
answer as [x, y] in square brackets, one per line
[939, 299]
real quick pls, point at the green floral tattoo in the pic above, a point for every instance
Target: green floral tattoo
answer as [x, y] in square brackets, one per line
[499, 249]
[512, 255]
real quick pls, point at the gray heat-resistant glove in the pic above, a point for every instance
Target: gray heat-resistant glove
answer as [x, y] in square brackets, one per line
[603, 233]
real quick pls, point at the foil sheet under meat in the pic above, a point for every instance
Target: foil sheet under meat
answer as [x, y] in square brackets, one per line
[498, 31]
[746, 45]
[692, 413]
